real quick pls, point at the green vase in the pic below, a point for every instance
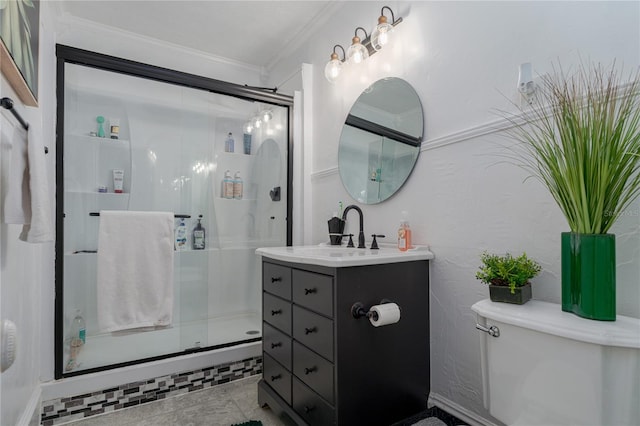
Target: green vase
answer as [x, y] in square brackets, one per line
[589, 275]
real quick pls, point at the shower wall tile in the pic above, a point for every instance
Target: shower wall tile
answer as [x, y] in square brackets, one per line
[63, 410]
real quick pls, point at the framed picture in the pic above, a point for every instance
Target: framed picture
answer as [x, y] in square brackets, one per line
[19, 44]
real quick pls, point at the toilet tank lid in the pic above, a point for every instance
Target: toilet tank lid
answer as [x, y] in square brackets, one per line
[549, 318]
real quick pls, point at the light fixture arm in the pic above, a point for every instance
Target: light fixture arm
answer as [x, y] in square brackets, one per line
[344, 55]
[393, 17]
[366, 36]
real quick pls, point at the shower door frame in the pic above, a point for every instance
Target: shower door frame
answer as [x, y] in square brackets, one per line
[71, 55]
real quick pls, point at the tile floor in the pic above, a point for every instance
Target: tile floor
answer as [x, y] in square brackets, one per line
[224, 405]
[221, 405]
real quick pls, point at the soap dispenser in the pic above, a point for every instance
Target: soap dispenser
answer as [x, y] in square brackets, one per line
[198, 235]
[404, 233]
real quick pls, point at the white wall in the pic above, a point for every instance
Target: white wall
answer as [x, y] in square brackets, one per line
[26, 270]
[462, 58]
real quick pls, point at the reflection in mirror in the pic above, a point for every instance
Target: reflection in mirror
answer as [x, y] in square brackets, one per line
[380, 140]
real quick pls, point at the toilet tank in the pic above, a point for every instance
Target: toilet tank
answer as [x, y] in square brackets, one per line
[549, 367]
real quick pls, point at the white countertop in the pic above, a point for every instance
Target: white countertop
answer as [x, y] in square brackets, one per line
[341, 256]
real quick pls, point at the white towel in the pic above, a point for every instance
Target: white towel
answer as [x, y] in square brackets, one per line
[135, 270]
[28, 196]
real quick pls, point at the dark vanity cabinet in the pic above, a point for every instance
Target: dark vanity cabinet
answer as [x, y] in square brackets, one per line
[322, 366]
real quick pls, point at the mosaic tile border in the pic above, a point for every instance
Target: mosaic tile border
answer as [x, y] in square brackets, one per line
[63, 410]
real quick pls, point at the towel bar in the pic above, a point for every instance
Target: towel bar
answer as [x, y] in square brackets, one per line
[179, 216]
[7, 104]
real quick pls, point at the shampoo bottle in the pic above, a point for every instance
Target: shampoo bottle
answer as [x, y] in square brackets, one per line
[229, 143]
[181, 234]
[404, 234]
[227, 185]
[198, 235]
[237, 186]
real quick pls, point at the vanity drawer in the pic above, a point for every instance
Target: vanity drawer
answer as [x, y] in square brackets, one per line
[313, 409]
[315, 371]
[277, 344]
[276, 279]
[314, 331]
[314, 291]
[276, 312]
[277, 377]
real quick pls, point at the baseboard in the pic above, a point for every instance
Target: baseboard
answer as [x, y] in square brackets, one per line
[457, 410]
[31, 414]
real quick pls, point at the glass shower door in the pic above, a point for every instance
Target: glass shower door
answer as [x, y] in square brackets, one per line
[172, 148]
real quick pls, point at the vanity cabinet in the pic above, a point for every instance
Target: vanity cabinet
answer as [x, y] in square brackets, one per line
[322, 366]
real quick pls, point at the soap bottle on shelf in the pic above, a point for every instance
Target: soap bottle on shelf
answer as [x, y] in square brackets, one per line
[237, 186]
[198, 235]
[79, 329]
[404, 233]
[227, 185]
[229, 143]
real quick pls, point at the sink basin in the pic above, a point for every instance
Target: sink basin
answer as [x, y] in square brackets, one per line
[342, 256]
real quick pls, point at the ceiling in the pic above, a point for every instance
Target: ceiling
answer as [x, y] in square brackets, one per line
[251, 32]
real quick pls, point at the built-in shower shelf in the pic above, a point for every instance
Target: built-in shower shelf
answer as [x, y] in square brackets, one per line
[101, 194]
[96, 139]
[236, 200]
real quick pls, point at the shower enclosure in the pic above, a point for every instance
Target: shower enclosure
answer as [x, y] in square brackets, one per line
[170, 145]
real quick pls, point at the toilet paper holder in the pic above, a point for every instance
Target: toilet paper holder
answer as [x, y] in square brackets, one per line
[358, 310]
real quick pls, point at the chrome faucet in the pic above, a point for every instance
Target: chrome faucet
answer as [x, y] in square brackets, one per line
[361, 234]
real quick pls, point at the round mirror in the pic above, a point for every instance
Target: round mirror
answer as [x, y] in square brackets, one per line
[380, 140]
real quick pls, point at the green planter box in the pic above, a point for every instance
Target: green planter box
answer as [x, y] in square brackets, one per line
[499, 293]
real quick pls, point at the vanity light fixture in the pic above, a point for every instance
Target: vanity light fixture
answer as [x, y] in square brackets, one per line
[360, 50]
[334, 66]
[380, 34]
[357, 52]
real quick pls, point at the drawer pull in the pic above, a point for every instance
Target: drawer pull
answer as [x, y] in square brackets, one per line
[310, 370]
[310, 330]
[310, 291]
[309, 409]
[276, 345]
[276, 279]
[276, 377]
[276, 312]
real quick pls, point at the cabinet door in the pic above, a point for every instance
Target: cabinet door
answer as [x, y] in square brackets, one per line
[313, 291]
[276, 279]
[277, 344]
[277, 312]
[315, 371]
[277, 377]
[310, 406]
[314, 331]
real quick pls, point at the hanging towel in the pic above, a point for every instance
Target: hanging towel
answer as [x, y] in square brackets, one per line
[135, 270]
[28, 196]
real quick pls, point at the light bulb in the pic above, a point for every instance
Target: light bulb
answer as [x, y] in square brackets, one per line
[248, 127]
[333, 68]
[380, 34]
[357, 52]
[257, 122]
[267, 115]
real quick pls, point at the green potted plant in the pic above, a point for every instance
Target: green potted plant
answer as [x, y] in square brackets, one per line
[508, 277]
[581, 138]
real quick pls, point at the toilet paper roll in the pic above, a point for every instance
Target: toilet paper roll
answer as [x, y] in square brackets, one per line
[388, 313]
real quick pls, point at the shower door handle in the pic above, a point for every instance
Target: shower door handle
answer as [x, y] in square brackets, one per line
[492, 331]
